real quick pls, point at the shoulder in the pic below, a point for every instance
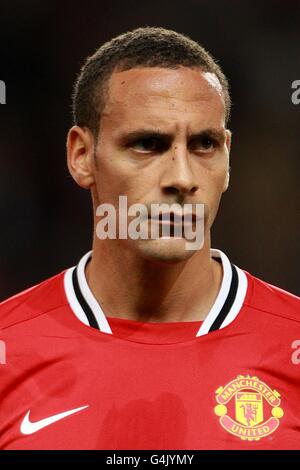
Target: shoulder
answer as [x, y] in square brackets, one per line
[35, 301]
[271, 299]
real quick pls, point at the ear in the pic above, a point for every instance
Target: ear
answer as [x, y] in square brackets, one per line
[80, 152]
[228, 147]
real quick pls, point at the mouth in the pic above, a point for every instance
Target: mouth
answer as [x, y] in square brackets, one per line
[174, 225]
[172, 218]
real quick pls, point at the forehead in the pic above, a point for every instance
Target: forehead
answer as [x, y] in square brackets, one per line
[159, 93]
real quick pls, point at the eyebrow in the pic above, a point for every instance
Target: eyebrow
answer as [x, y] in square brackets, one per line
[132, 136]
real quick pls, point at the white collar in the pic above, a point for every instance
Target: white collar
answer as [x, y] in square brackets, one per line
[224, 310]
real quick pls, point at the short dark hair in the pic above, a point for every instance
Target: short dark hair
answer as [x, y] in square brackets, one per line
[142, 47]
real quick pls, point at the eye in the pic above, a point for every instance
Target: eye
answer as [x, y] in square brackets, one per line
[148, 145]
[203, 144]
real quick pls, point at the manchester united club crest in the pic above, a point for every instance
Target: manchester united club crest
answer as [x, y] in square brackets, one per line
[248, 408]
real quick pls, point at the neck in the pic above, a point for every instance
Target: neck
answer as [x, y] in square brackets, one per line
[129, 287]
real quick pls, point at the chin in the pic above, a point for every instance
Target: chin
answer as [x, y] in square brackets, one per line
[164, 250]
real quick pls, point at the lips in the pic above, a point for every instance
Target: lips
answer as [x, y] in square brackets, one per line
[174, 218]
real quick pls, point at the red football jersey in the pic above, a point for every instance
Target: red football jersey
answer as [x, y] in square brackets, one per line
[72, 378]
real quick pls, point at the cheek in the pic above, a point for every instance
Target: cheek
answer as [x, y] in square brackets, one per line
[221, 181]
[116, 177]
[221, 172]
[212, 193]
[215, 179]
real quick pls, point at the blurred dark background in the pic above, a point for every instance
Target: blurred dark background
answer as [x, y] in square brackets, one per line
[46, 220]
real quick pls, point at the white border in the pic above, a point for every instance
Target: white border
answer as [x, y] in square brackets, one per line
[89, 296]
[223, 293]
[210, 318]
[239, 298]
[71, 296]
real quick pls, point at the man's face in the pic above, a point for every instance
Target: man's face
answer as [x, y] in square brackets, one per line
[162, 139]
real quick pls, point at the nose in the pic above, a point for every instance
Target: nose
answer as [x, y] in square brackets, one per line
[179, 177]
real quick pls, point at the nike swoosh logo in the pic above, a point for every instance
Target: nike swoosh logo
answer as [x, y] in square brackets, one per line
[28, 427]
